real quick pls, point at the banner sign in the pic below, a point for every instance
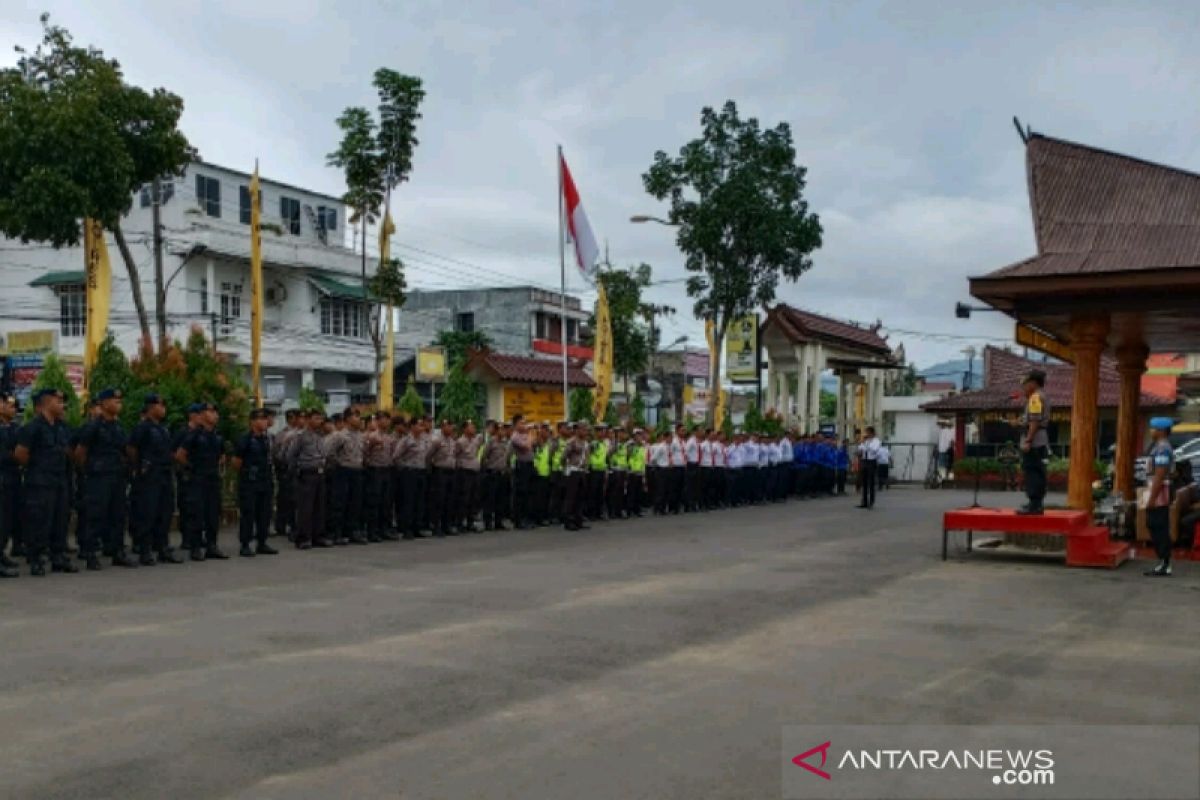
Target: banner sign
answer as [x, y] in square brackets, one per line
[431, 365]
[741, 350]
[537, 405]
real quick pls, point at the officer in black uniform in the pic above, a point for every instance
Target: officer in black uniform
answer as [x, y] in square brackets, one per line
[100, 450]
[152, 499]
[252, 460]
[43, 449]
[199, 455]
[10, 487]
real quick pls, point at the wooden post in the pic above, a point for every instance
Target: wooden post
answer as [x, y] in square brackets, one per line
[1131, 363]
[1089, 334]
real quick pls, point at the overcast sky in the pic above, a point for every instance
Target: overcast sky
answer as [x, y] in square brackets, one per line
[900, 111]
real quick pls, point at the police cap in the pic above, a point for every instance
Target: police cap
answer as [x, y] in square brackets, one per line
[48, 392]
[1162, 424]
[1037, 376]
[152, 399]
[109, 394]
[260, 413]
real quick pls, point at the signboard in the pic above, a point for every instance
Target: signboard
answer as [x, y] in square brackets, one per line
[431, 364]
[23, 370]
[74, 367]
[537, 405]
[29, 343]
[741, 350]
[1043, 343]
[695, 402]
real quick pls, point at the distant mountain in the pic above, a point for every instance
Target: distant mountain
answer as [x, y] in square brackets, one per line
[955, 371]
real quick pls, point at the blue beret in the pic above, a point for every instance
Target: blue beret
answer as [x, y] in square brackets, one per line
[195, 408]
[152, 399]
[40, 393]
[109, 394]
[1161, 424]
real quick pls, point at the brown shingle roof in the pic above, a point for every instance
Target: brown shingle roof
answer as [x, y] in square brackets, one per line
[1003, 372]
[520, 369]
[802, 325]
[1096, 211]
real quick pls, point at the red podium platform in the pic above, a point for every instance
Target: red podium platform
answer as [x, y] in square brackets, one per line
[1088, 545]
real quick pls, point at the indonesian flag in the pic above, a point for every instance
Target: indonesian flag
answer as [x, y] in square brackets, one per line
[579, 231]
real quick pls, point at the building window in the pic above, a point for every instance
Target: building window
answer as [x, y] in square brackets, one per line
[72, 303]
[342, 318]
[208, 195]
[146, 193]
[144, 196]
[244, 204]
[204, 295]
[327, 217]
[231, 302]
[289, 211]
[572, 331]
[465, 322]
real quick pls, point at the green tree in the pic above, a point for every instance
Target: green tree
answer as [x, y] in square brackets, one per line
[458, 344]
[727, 425]
[753, 423]
[213, 380]
[737, 197]
[112, 371]
[663, 425]
[309, 400]
[54, 376]
[388, 286]
[638, 411]
[611, 417]
[411, 405]
[458, 399]
[581, 405]
[631, 335]
[904, 383]
[828, 405]
[77, 141]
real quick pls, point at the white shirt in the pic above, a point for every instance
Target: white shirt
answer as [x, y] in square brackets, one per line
[733, 456]
[706, 453]
[660, 455]
[869, 449]
[676, 452]
[691, 449]
[885, 456]
[945, 440]
[772, 449]
[718, 455]
[750, 454]
[785, 451]
[763, 455]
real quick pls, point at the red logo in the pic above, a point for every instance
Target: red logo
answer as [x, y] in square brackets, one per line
[802, 760]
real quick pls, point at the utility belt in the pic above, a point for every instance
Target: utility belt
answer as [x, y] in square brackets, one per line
[307, 472]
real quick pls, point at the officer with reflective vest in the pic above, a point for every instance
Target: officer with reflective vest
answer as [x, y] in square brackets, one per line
[1035, 441]
[635, 481]
[597, 472]
[554, 505]
[618, 466]
[1159, 495]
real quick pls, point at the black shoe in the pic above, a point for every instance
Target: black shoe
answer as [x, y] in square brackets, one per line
[37, 568]
[147, 559]
[500, 526]
[215, 552]
[439, 535]
[583, 527]
[246, 552]
[390, 536]
[93, 563]
[304, 545]
[1161, 571]
[323, 542]
[63, 565]
[9, 572]
[374, 538]
[1030, 511]
[123, 559]
[265, 549]
[7, 562]
[197, 554]
[408, 537]
[341, 541]
[570, 527]
[110, 552]
[169, 556]
[358, 539]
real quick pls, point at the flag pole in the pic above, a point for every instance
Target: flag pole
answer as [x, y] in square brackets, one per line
[562, 267]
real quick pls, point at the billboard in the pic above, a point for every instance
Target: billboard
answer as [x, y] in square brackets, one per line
[431, 364]
[741, 350]
[536, 405]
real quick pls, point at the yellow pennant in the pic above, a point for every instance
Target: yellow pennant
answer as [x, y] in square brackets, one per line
[604, 353]
[387, 387]
[98, 292]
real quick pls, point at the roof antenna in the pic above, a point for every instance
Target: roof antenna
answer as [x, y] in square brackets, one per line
[1022, 132]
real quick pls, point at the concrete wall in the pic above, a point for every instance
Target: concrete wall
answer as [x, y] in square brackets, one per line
[506, 315]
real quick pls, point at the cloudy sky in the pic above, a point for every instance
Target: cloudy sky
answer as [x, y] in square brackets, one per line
[900, 111]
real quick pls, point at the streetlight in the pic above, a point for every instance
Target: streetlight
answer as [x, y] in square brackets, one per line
[640, 218]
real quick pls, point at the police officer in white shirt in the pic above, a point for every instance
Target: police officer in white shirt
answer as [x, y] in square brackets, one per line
[786, 475]
[676, 473]
[882, 465]
[733, 471]
[704, 500]
[691, 491]
[868, 462]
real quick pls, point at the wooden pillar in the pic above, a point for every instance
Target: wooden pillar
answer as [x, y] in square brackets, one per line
[1089, 334]
[1131, 363]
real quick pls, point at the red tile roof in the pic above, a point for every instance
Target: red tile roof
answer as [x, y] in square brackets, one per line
[520, 369]
[1003, 372]
[800, 325]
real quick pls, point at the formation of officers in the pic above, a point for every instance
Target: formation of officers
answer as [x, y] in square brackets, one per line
[357, 479]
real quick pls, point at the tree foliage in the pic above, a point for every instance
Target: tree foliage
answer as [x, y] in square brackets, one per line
[400, 99]
[904, 382]
[458, 400]
[828, 405]
[581, 405]
[637, 411]
[388, 285]
[737, 197]
[411, 405]
[54, 376]
[310, 400]
[627, 313]
[458, 344]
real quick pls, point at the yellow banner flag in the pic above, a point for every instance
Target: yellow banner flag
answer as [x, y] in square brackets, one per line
[387, 387]
[256, 289]
[603, 364]
[98, 292]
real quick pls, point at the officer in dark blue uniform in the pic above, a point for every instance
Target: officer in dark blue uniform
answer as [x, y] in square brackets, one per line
[152, 499]
[100, 451]
[43, 450]
[199, 456]
[252, 460]
[10, 487]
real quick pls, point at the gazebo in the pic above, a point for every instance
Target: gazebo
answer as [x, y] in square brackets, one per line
[1117, 272]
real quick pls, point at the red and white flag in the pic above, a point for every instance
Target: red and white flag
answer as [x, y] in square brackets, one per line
[579, 231]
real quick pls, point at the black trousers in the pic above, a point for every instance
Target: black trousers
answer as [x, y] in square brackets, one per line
[347, 501]
[11, 509]
[635, 484]
[104, 507]
[203, 511]
[662, 489]
[691, 501]
[573, 498]
[397, 499]
[494, 490]
[839, 484]
[441, 501]
[310, 506]
[151, 505]
[467, 504]
[595, 494]
[412, 520]
[1033, 464]
[539, 497]
[868, 479]
[616, 493]
[46, 520]
[554, 504]
[522, 482]
[730, 476]
[675, 480]
[377, 500]
[882, 471]
[254, 511]
[285, 501]
[1158, 520]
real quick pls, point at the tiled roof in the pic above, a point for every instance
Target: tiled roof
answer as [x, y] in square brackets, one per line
[1003, 372]
[1095, 211]
[800, 325]
[520, 369]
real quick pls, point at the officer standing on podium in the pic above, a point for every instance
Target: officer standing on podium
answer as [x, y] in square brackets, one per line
[1035, 442]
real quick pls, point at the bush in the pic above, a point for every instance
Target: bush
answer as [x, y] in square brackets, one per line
[411, 405]
[582, 406]
[638, 412]
[309, 400]
[54, 376]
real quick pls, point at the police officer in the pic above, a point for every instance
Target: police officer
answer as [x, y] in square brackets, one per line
[539, 492]
[466, 461]
[100, 451]
[554, 503]
[441, 495]
[597, 472]
[1158, 498]
[43, 450]
[152, 498]
[575, 454]
[377, 495]
[305, 457]
[1035, 442]
[618, 471]
[345, 450]
[10, 487]
[199, 456]
[521, 444]
[285, 496]
[494, 460]
[636, 479]
[252, 460]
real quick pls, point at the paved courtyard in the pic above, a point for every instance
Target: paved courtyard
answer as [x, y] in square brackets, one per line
[648, 659]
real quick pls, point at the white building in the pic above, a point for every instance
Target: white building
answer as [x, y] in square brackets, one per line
[315, 323]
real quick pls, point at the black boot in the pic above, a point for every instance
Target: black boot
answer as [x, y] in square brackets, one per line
[123, 559]
[147, 559]
[247, 551]
[169, 556]
[197, 554]
[215, 552]
[93, 563]
[265, 549]
[63, 564]
[37, 568]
